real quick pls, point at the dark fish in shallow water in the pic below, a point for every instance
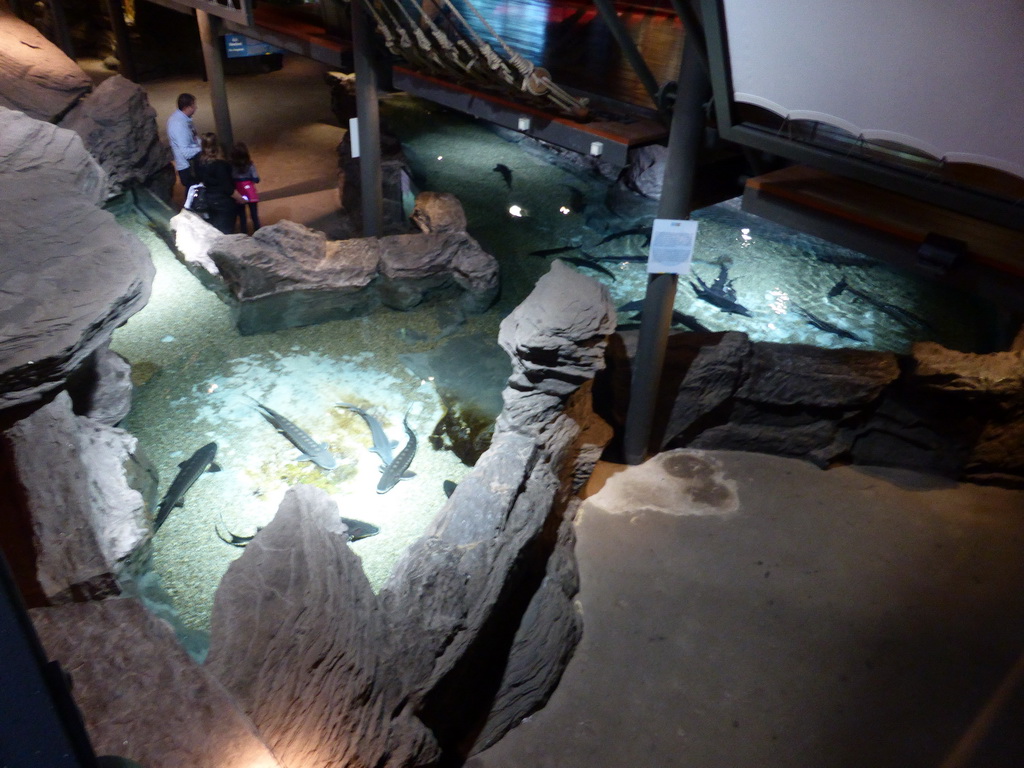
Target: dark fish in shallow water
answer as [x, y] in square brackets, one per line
[506, 173]
[645, 231]
[588, 264]
[398, 469]
[553, 251]
[825, 325]
[717, 297]
[636, 308]
[318, 453]
[359, 529]
[892, 310]
[631, 258]
[234, 539]
[382, 445]
[723, 285]
[189, 471]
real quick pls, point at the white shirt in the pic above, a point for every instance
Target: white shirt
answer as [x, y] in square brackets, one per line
[183, 138]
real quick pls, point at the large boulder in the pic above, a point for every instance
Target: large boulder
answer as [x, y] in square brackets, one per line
[36, 77]
[934, 410]
[119, 129]
[301, 642]
[645, 171]
[85, 518]
[140, 694]
[71, 274]
[289, 275]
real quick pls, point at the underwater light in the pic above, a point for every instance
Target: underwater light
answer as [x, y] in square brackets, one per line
[517, 211]
[440, 157]
[745, 235]
[564, 210]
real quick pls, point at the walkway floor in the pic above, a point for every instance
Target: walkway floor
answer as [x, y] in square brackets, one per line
[748, 611]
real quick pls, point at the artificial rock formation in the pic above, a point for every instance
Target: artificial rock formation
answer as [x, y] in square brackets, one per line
[299, 639]
[288, 275]
[645, 172]
[115, 120]
[36, 77]
[934, 410]
[119, 129]
[85, 518]
[476, 623]
[52, 317]
[140, 694]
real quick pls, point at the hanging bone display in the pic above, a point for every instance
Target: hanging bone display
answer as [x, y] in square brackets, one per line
[459, 52]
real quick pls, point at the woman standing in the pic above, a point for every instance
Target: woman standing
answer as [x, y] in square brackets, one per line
[214, 171]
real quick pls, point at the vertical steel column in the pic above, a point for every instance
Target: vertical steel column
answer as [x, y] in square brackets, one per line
[368, 115]
[209, 34]
[684, 141]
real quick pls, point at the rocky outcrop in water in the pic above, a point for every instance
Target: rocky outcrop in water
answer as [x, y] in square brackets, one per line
[476, 623]
[36, 77]
[288, 275]
[141, 696]
[645, 172]
[85, 518]
[935, 410]
[52, 316]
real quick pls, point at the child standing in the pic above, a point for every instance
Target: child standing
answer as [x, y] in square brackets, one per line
[246, 178]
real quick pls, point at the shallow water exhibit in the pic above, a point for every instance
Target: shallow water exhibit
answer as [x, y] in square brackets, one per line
[198, 381]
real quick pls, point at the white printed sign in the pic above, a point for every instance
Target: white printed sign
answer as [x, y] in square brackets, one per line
[672, 243]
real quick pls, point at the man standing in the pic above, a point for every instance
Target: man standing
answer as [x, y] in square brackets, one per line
[183, 138]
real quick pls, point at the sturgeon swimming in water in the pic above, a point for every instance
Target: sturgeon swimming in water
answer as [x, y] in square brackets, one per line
[397, 469]
[189, 471]
[382, 446]
[313, 451]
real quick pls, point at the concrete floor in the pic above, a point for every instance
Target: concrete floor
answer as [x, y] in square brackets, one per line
[767, 613]
[748, 610]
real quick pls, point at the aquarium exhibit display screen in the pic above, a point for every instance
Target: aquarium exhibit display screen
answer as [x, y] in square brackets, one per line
[941, 77]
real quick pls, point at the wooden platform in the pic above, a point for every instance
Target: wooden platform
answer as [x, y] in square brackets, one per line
[614, 137]
[834, 201]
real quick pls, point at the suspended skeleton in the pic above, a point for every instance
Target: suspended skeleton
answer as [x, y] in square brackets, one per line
[468, 57]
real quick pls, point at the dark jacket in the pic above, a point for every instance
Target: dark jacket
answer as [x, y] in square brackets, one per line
[216, 176]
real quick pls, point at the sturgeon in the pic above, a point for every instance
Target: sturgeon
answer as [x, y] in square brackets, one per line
[311, 450]
[396, 470]
[382, 446]
[718, 294]
[359, 529]
[190, 470]
[825, 325]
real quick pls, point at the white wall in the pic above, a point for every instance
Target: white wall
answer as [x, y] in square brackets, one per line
[943, 76]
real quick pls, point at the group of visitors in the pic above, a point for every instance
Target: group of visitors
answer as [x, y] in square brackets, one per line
[230, 179]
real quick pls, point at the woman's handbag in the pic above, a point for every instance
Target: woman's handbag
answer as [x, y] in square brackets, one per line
[247, 189]
[195, 200]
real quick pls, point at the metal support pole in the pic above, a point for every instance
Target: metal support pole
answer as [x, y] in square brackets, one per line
[210, 28]
[684, 141]
[124, 51]
[368, 115]
[629, 49]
